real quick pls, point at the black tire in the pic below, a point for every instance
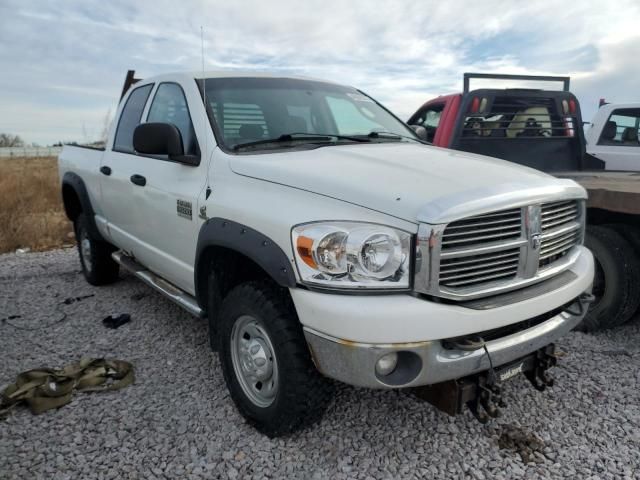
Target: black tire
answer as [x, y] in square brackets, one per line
[302, 395]
[617, 280]
[95, 256]
[631, 233]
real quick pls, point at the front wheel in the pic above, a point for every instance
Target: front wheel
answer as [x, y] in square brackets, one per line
[266, 361]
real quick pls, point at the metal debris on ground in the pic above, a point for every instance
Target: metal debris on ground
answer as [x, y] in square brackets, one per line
[115, 321]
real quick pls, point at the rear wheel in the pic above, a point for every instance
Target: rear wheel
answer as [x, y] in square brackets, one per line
[266, 362]
[95, 256]
[616, 285]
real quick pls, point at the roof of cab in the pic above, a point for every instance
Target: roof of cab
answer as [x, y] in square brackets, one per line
[230, 74]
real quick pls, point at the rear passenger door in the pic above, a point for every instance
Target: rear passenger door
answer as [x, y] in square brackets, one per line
[167, 223]
[121, 213]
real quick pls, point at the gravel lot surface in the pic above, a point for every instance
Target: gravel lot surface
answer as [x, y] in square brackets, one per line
[177, 420]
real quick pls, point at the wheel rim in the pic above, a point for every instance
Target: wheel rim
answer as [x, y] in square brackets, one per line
[254, 361]
[85, 250]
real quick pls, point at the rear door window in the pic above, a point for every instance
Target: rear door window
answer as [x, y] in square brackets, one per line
[240, 122]
[130, 118]
[170, 106]
[621, 128]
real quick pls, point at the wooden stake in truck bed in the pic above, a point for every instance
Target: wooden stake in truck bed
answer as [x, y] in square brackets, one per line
[542, 129]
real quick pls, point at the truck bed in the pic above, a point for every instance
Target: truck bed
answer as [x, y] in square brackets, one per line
[609, 190]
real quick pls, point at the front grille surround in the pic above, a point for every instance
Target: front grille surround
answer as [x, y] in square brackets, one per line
[498, 251]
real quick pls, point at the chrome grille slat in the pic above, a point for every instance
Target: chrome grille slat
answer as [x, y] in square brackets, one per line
[483, 229]
[478, 250]
[548, 225]
[458, 224]
[481, 238]
[566, 212]
[557, 247]
[550, 209]
[446, 278]
[560, 251]
[505, 258]
[561, 230]
[569, 227]
[514, 211]
[479, 280]
[558, 240]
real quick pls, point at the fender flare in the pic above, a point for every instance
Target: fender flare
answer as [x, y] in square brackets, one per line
[220, 232]
[74, 181]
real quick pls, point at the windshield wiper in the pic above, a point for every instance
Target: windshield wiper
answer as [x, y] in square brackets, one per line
[392, 135]
[301, 137]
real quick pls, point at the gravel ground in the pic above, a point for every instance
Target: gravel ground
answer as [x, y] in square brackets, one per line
[177, 420]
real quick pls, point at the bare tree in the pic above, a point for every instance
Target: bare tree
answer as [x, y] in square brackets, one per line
[8, 140]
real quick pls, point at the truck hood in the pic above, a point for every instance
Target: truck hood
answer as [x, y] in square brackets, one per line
[414, 182]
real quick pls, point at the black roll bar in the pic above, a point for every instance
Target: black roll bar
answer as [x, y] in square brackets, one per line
[500, 76]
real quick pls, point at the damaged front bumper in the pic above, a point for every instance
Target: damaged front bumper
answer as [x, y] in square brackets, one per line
[435, 361]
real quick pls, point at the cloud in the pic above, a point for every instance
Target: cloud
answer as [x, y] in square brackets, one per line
[63, 63]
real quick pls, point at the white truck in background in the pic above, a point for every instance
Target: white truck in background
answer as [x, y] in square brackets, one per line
[321, 237]
[613, 136]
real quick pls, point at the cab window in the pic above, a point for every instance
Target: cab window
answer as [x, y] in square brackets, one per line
[621, 128]
[130, 119]
[170, 106]
[429, 118]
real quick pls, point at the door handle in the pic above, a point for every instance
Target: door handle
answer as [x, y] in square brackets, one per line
[105, 170]
[138, 180]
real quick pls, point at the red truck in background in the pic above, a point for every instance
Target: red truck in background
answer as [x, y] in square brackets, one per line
[543, 129]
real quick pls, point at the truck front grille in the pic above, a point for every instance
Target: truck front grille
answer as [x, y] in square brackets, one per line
[561, 231]
[556, 214]
[482, 229]
[477, 269]
[498, 251]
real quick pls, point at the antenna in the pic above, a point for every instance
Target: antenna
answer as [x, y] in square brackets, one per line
[202, 46]
[206, 120]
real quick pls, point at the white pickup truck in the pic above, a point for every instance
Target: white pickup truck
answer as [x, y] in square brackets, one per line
[613, 136]
[321, 238]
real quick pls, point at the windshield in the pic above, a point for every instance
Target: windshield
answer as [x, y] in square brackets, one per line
[250, 110]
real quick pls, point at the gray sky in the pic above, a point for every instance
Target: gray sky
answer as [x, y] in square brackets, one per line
[62, 63]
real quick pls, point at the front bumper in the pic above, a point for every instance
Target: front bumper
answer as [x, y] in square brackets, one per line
[429, 362]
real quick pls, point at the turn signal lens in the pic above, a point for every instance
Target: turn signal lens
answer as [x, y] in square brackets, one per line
[305, 248]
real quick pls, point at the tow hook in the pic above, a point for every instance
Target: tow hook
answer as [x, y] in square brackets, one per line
[581, 304]
[545, 359]
[481, 393]
[489, 397]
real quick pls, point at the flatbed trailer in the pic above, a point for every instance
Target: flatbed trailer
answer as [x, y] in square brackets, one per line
[617, 192]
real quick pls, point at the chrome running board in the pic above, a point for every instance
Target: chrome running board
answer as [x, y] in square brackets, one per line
[173, 293]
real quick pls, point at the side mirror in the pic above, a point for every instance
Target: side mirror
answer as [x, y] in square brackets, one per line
[162, 139]
[421, 132]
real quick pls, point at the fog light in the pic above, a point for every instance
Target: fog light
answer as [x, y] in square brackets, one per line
[387, 364]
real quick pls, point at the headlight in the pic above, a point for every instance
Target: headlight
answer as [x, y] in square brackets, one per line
[352, 255]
